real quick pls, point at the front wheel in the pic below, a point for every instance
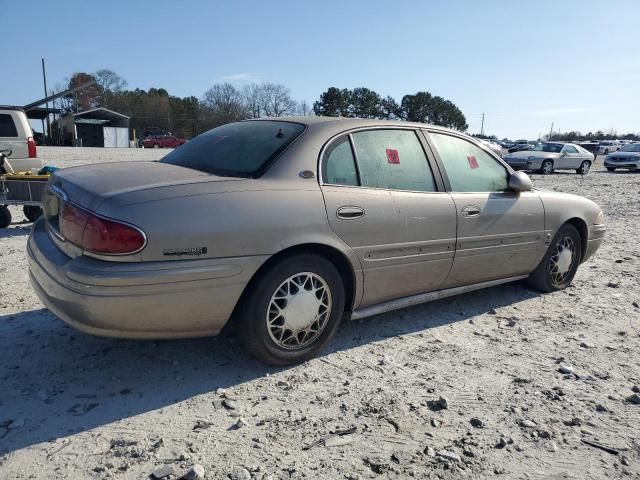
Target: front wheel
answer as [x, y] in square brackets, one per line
[584, 168]
[547, 167]
[560, 263]
[292, 310]
[5, 217]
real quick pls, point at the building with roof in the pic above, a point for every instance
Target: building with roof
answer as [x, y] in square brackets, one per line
[98, 127]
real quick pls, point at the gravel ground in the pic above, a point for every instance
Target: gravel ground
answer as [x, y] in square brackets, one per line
[504, 381]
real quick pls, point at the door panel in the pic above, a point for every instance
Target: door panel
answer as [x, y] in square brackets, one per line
[405, 240]
[505, 238]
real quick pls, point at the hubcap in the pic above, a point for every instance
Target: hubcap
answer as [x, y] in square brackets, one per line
[562, 260]
[585, 167]
[299, 310]
[547, 167]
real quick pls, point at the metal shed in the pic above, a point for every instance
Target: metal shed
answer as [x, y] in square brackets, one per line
[98, 127]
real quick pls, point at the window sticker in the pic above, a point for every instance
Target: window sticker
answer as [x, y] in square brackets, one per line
[473, 163]
[393, 156]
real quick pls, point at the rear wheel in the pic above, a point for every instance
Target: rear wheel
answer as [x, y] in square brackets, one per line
[5, 217]
[611, 169]
[547, 167]
[584, 167]
[32, 212]
[292, 310]
[560, 263]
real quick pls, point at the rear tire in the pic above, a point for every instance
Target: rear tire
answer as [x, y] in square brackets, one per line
[5, 217]
[32, 212]
[611, 169]
[560, 263]
[547, 167]
[292, 310]
[584, 167]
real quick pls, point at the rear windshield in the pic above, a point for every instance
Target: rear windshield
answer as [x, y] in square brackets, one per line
[243, 149]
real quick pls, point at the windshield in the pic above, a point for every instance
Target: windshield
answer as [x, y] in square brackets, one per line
[633, 147]
[548, 147]
[243, 149]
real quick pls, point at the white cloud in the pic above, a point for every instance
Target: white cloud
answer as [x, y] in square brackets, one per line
[240, 77]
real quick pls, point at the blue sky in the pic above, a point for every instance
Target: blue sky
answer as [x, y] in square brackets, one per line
[524, 64]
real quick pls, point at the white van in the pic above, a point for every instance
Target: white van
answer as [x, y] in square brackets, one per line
[16, 141]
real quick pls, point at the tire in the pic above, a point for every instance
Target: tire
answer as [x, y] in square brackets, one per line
[5, 217]
[611, 169]
[553, 273]
[262, 321]
[547, 167]
[584, 167]
[606, 152]
[32, 212]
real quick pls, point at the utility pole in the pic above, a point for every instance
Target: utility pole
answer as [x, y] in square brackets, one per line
[44, 78]
[551, 131]
[482, 126]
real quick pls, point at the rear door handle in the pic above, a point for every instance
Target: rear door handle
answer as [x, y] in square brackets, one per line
[350, 212]
[470, 211]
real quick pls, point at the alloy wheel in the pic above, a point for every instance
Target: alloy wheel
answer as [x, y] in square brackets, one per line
[547, 168]
[584, 168]
[299, 310]
[562, 260]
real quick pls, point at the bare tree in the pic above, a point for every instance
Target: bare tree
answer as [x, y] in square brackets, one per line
[226, 103]
[109, 80]
[251, 95]
[276, 101]
[303, 108]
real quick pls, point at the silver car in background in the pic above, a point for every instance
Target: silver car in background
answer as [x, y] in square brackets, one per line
[281, 228]
[628, 157]
[546, 157]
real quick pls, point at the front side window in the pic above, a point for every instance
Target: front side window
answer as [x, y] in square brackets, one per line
[7, 127]
[469, 168]
[339, 165]
[393, 159]
[242, 149]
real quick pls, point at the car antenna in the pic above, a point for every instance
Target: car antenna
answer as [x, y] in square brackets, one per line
[280, 134]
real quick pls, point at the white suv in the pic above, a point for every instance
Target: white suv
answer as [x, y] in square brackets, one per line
[16, 141]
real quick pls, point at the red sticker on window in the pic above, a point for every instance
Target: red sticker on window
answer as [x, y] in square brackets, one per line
[473, 163]
[392, 156]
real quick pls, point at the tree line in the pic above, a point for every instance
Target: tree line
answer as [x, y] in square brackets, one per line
[575, 136]
[224, 103]
[364, 103]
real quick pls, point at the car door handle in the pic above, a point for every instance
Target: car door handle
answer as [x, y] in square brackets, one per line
[470, 211]
[350, 212]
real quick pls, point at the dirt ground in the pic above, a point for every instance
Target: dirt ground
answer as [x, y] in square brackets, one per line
[468, 387]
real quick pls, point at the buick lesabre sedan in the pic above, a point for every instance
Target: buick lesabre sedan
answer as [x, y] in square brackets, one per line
[547, 157]
[282, 228]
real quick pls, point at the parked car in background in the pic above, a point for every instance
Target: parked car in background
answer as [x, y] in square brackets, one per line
[592, 147]
[520, 146]
[546, 157]
[16, 141]
[627, 157]
[608, 146]
[284, 227]
[163, 141]
[493, 146]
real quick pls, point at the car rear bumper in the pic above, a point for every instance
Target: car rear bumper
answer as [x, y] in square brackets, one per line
[152, 300]
[596, 236]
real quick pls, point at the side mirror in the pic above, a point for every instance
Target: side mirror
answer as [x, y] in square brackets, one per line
[520, 182]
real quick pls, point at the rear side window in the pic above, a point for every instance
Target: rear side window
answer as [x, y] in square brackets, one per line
[7, 127]
[393, 159]
[570, 149]
[469, 168]
[339, 165]
[243, 149]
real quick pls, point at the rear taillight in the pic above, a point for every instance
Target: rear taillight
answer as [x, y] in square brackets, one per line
[31, 145]
[99, 235]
